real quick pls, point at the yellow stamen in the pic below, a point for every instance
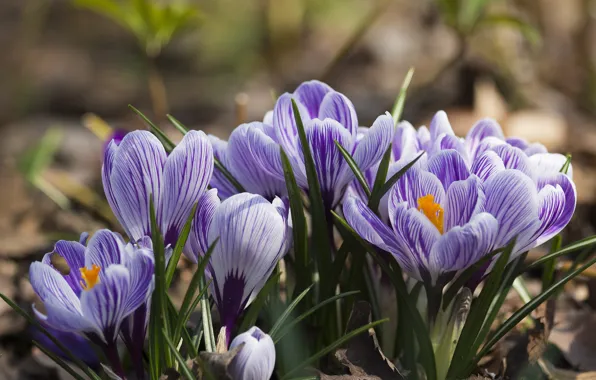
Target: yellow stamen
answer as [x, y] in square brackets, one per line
[433, 211]
[90, 277]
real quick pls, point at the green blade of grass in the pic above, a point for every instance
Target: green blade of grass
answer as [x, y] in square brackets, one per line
[182, 367]
[304, 315]
[299, 226]
[398, 106]
[163, 138]
[56, 359]
[354, 166]
[584, 243]
[171, 268]
[333, 346]
[282, 318]
[177, 124]
[381, 176]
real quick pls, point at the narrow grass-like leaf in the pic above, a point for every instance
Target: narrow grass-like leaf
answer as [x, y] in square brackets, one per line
[171, 268]
[219, 166]
[375, 199]
[464, 349]
[186, 310]
[75, 360]
[528, 31]
[282, 318]
[207, 324]
[465, 276]
[567, 164]
[177, 124]
[525, 310]
[250, 317]
[398, 106]
[320, 228]
[299, 226]
[381, 175]
[310, 311]
[427, 357]
[182, 367]
[339, 263]
[333, 346]
[548, 273]
[56, 359]
[165, 140]
[354, 166]
[584, 243]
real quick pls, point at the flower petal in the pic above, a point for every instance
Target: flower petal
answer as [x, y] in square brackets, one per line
[481, 130]
[405, 141]
[415, 183]
[197, 244]
[487, 164]
[331, 167]
[285, 124]
[256, 359]
[375, 142]
[104, 249]
[338, 107]
[105, 304]
[256, 161]
[448, 166]
[512, 199]
[464, 200]
[463, 246]
[135, 175]
[311, 95]
[218, 180]
[251, 241]
[549, 164]
[74, 254]
[187, 173]
[440, 125]
[514, 158]
[140, 265]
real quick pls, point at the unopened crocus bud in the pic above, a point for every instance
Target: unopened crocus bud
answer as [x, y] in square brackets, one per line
[256, 359]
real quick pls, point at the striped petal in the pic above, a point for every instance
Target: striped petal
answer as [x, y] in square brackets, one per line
[285, 124]
[251, 235]
[187, 173]
[256, 358]
[514, 158]
[405, 141]
[140, 266]
[440, 125]
[464, 200]
[311, 95]
[415, 183]
[462, 246]
[74, 254]
[488, 164]
[512, 199]
[135, 174]
[482, 129]
[375, 142]
[218, 180]
[338, 107]
[105, 248]
[197, 244]
[448, 166]
[549, 164]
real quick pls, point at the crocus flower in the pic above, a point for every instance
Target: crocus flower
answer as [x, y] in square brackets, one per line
[253, 234]
[328, 116]
[444, 218]
[252, 156]
[256, 358]
[102, 284]
[139, 168]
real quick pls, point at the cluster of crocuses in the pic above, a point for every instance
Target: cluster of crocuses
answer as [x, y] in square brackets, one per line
[463, 199]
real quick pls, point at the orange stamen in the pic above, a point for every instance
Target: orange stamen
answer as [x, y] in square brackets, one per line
[90, 277]
[433, 211]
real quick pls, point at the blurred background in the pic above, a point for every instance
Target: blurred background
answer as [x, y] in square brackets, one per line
[69, 67]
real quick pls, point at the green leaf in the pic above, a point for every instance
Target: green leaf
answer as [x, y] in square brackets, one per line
[548, 274]
[282, 318]
[320, 228]
[354, 166]
[171, 268]
[398, 107]
[584, 243]
[38, 158]
[414, 318]
[469, 13]
[479, 310]
[380, 179]
[375, 199]
[182, 367]
[566, 165]
[310, 311]
[527, 30]
[299, 226]
[525, 310]
[250, 318]
[209, 336]
[333, 346]
[75, 360]
[58, 360]
[177, 124]
[163, 138]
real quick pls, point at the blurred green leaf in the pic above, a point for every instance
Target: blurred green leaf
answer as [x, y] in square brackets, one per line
[39, 157]
[528, 31]
[282, 318]
[354, 166]
[400, 101]
[469, 12]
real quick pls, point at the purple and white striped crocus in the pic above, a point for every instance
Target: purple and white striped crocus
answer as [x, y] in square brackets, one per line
[106, 282]
[253, 234]
[139, 168]
[444, 218]
[256, 358]
[251, 155]
[328, 116]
